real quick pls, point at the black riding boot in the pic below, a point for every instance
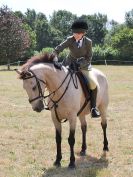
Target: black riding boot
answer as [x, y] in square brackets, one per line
[94, 111]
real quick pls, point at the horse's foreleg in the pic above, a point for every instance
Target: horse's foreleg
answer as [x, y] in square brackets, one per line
[58, 130]
[71, 141]
[84, 130]
[58, 146]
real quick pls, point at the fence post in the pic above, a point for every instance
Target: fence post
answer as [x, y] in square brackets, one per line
[18, 63]
[105, 62]
[8, 66]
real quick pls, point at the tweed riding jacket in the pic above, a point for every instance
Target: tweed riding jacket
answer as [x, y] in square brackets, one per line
[76, 52]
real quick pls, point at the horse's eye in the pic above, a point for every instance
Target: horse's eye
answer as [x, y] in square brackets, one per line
[34, 88]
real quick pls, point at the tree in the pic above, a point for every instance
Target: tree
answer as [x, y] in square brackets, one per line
[115, 28]
[123, 42]
[55, 37]
[33, 42]
[129, 19]
[42, 29]
[31, 17]
[14, 39]
[62, 20]
[97, 27]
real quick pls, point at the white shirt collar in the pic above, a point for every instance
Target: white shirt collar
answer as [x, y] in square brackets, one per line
[80, 42]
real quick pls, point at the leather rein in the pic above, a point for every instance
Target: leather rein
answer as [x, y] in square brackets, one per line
[55, 103]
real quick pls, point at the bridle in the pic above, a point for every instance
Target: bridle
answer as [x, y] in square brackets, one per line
[41, 95]
[55, 103]
[50, 95]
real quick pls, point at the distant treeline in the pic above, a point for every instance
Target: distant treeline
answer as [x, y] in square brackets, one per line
[25, 34]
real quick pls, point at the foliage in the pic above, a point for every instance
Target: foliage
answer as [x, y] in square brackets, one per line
[98, 53]
[123, 41]
[32, 36]
[30, 18]
[62, 21]
[22, 34]
[97, 27]
[42, 33]
[47, 50]
[61, 57]
[129, 19]
[14, 39]
[105, 53]
[55, 37]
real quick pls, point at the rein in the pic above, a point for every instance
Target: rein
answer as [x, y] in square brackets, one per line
[41, 95]
[55, 103]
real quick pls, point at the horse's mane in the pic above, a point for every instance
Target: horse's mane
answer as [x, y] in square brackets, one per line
[43, 58]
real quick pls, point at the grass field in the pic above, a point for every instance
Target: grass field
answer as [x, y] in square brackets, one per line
[27, 143]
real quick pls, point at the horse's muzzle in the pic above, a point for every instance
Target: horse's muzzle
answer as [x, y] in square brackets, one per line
[39, 107]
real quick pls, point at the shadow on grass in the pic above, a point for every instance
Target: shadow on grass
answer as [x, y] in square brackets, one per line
[87, 166]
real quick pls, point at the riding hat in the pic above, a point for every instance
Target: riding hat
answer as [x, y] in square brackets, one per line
[79, 26]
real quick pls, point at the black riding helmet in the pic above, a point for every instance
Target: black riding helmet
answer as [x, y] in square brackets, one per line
[79, 26]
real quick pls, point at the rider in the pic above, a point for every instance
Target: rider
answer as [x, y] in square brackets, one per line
[81, 46]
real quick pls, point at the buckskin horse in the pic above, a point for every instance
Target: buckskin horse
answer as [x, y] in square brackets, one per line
[65, 99]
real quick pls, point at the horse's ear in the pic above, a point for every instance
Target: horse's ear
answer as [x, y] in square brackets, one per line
[23, 74]
[18, 71]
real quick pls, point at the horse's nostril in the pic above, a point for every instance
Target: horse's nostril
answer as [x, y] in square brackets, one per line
[39, 107]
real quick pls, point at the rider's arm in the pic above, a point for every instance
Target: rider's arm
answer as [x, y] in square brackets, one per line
[62, 46]
[89, 50]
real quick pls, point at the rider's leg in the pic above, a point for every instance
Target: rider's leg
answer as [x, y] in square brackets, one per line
[93, 93]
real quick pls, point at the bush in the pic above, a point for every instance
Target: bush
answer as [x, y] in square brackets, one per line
[47, 50]
[105, 53]
[98, 53]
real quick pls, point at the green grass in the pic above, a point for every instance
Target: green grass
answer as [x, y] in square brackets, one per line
[27, 143]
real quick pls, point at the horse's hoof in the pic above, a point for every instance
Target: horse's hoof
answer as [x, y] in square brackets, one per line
[82, 153]
[57, 164]
[105, 149]
[71, 166]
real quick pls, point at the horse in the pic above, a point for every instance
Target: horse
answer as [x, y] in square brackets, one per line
[64, 99]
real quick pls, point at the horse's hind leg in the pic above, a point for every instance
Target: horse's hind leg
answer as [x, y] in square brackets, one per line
[84, 130]
[104, 127]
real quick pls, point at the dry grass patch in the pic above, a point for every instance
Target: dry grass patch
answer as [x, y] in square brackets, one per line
[27, 143]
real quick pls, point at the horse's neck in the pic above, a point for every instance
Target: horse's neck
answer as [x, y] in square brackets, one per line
[54, 78]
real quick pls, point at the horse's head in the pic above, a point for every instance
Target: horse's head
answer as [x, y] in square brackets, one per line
[33, 79]
[34, 85]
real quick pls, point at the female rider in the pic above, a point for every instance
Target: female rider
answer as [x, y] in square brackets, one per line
[80, 46]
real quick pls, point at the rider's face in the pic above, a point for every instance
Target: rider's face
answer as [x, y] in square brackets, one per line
[78, 36]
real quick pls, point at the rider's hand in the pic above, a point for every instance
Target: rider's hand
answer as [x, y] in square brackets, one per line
[56, 56]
